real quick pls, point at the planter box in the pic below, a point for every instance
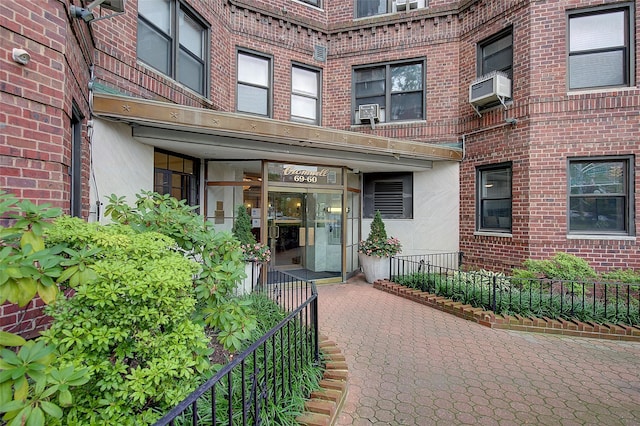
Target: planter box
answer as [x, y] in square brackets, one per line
[375, 268]
[247, 285]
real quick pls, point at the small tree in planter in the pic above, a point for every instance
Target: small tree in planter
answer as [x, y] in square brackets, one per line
[242, 227]
[255, 253]
[375, 251]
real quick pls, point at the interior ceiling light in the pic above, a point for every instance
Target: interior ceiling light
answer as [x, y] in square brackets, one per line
[87, 14]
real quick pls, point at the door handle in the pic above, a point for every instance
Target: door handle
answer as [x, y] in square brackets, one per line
[302, 240]
[274, 232]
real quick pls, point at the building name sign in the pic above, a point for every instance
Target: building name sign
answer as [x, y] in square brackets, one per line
[298, 173]
[305, 175]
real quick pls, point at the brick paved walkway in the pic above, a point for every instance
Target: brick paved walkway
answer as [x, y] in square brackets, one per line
[413, 365]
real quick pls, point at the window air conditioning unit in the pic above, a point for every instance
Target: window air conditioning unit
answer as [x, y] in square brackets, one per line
[488, 89]
[369, 113]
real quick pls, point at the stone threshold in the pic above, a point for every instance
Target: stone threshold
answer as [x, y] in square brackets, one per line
[490, 319]
[324, 404]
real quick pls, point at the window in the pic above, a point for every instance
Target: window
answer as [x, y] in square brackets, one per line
[315, 3]
[305, 89]
[174, 41]
[366, 8]
[494, 198]
[600, 199]
[389, 193]
[600, 48]
[254, 84]
[76, 162]
[396, 87]
[496, 54]
[177, 176]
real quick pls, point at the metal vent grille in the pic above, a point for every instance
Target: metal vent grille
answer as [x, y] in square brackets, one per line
[482, 88]
[388, 198]
[319, 53]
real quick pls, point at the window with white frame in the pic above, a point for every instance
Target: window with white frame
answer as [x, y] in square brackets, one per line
[389, 193]
[305, 94]
[600, 196]
[496, 54]
[397, 88]
[365, 8]
[254, 89]
[601, 47]
[493, 208]
[174, 40]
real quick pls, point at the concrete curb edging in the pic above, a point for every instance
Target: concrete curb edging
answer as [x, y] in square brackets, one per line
[489, 319]
[324, 404]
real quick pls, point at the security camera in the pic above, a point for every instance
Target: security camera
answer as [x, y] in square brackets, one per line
[21, 56]
[87, 14]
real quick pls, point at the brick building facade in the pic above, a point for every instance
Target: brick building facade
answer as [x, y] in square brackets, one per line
[97, 109]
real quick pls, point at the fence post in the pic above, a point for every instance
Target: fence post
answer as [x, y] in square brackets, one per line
[495, 290]
[314, 321]
[460, 256]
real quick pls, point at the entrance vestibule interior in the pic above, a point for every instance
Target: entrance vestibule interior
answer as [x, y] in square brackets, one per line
[310, 220]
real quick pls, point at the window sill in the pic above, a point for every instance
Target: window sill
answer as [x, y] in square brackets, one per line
[604, 91]
[170, 79]
[601, 237]
[493, 234]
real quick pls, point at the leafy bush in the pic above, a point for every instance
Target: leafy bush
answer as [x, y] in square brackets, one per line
[219, 254]
[562, 266]
[32, 390]
[628, 276]
[131, 326]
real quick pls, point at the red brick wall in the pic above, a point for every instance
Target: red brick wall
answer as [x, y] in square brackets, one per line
[554, 125]
[37, 99]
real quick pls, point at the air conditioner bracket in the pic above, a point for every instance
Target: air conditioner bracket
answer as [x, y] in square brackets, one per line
[502, 100]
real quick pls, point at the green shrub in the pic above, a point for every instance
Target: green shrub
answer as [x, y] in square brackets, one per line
[562, 266]
[628, 276]
[242, 227]
[131, 326]
[33, 391]
[219, 254]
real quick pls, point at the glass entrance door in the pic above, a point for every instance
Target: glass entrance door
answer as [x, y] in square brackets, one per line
[305, 232]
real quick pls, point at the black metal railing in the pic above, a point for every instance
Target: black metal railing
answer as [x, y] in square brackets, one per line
[406, 265]
[263, 373]
[583, 300]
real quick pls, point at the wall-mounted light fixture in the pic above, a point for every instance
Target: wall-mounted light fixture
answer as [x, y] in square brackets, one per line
[87, 14]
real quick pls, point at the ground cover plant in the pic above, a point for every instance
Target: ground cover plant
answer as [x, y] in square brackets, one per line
[561, 287]
[278, 361]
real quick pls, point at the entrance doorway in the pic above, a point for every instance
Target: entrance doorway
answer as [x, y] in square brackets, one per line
[305, 232]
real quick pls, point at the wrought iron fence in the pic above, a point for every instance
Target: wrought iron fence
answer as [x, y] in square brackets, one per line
[583, 300]
[406, 265]
[263, 372]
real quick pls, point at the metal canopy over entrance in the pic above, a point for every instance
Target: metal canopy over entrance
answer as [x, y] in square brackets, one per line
[205, 133]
